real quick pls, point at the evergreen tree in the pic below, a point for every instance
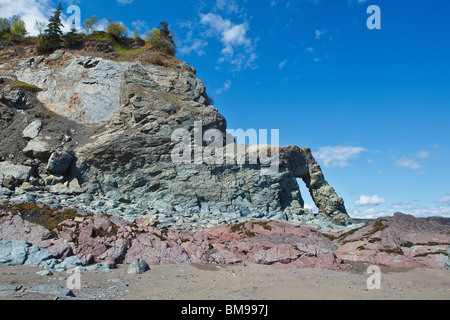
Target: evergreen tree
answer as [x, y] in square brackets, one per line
[51, 39]
[162, 39]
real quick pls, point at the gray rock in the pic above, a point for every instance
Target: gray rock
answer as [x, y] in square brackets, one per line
[16, 98]
[139, 107]
[19, 172]
[5, 191]
[9, 290]
[23, 198]
[52, 180]
[68, 264]
[59, 162]
[38, 148]
[56, 55]
[13, 253]
[138, 267]
[52, 289]
[44, 273]
[32, 130]
[98, 267]
[37, 258]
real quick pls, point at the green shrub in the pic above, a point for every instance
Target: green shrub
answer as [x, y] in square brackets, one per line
[72, 39]
[90, 24]
[117, 29]
[18, 30]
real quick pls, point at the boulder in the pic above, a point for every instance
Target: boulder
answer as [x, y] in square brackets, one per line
[13, 227]
[52, 289]
[68, 264]
[19, 173]
[138, 267]
[38, 148]
[13, 253]
[32, 130]
[59, 162]
[38, 258]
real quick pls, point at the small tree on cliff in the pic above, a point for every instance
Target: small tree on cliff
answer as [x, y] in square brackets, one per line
[162, 39]
[51, 39]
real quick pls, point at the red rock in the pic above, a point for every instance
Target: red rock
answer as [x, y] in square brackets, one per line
[401, 241]
[59, 248]
[13, 227]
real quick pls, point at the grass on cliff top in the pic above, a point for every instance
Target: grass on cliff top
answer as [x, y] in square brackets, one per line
[15, 83]
[128, 49]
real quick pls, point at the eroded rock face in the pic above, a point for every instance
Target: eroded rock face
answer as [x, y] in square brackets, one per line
[401, 241]
[138, 107]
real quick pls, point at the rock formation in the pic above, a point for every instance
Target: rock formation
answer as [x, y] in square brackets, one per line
[401, 241]
[120, 117]
[88, 178]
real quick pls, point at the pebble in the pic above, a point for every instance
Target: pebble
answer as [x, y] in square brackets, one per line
[44, 273]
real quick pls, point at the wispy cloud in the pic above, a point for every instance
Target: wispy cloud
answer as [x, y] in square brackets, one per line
[356, 2]
[414, 161]
[225, 87]
[282, 64]
[320, 33]
[140, 25]
[445, 200]
[195, 45]
[338, 156]
[123, 2]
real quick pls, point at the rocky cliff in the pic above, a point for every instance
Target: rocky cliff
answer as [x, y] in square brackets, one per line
[100, 133]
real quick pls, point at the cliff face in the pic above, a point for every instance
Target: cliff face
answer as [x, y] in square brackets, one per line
[120, 118]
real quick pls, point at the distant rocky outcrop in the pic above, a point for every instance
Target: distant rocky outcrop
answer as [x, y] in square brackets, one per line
[119, 118]
[401, 241]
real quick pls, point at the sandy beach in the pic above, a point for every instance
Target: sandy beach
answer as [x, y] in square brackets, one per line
[252, 282]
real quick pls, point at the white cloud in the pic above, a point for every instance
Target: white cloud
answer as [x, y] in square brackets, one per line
[227, 6]
[338, 156]
[140, 25]
[406, 207]
[225, 87]
[29, 10]
[369, 201]
[352, 2]
[309, 49]
[195, 45]
[125, 1]
[370, 213]
[414, 161]
[312, 207]
[445, 199]
[238, 48]
[320, 33]
[282, 64]
[423, 154]
[410, 163]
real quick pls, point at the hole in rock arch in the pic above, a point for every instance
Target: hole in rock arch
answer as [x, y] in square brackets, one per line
[309, 203]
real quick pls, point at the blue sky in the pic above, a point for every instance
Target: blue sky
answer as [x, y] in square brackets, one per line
[373, 105]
